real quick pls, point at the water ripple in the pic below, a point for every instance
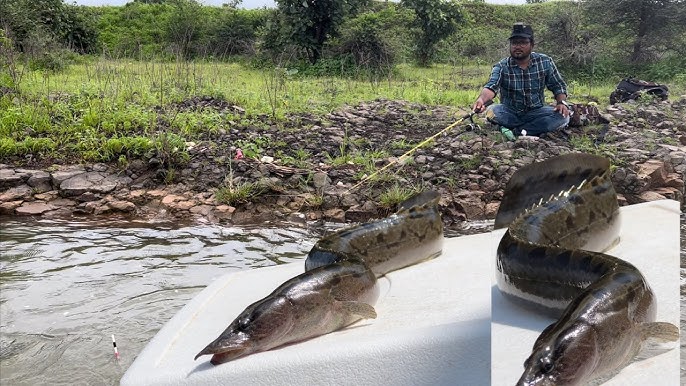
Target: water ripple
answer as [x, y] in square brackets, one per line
[65, 287]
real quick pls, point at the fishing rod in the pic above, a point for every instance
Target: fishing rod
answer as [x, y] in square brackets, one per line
[470, 127]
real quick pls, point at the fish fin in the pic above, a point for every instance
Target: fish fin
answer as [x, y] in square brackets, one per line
[536, 181]
[359, 308]
[660, 332]
[655, 337]
[429, 197]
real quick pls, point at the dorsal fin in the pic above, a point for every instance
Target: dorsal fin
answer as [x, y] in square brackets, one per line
[536, 181]
[429, 197]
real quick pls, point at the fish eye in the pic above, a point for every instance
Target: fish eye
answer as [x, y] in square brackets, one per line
[546, 366]
[243, 323]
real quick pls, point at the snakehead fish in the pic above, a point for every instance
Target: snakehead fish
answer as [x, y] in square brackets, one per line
[338, 287]
[561, 215]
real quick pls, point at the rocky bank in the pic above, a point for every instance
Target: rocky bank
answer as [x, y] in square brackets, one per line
[645, 140]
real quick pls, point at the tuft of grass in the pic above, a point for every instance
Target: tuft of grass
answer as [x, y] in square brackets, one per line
[232, 194]
[397, 194]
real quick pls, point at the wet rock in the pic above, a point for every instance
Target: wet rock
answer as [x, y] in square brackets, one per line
[122, 206]
[21, 192]
[47, 196]
[33, 208]
[204, 210]
[8, 207]
[183, 205]
[62, 175]
[11, 178]
[224, 212]
[95, 182]
[170, 199]
[88, 197]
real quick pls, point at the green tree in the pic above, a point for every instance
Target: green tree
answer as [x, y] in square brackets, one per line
[434, 21]
[309, 23]
[649, 24]
[184, 26]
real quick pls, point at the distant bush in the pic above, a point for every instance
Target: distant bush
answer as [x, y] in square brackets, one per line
[236, 31]
[371, 42]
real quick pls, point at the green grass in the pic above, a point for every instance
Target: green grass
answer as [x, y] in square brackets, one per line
[396, 194]
[101, 109]
[233, 194]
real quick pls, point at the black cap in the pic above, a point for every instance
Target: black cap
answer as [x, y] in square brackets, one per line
[521, 30]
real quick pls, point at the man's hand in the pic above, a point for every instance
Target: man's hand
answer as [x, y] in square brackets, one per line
[479, 106]
[562, 109]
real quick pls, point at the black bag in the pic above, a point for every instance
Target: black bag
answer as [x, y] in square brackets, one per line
[631, 88]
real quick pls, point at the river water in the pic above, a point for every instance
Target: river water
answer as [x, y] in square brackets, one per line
[66, 287]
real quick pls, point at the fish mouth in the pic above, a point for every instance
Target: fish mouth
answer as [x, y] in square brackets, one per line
[219, 357]
[224, 357]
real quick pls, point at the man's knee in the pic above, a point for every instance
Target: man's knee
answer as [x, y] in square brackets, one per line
[496, 114]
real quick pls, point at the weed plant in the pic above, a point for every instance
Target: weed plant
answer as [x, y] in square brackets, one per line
[102, 109]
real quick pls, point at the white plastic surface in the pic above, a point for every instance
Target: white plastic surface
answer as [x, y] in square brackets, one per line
[649, 239]
[433, 328]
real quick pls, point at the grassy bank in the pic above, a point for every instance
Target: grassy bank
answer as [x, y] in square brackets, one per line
[103, 110]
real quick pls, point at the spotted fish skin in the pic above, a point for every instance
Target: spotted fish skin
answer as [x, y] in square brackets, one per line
[413, 234]
[338, 287]
[550, 260]
[311, 304]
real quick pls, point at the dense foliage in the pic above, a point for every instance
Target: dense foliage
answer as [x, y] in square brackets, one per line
[590, 38]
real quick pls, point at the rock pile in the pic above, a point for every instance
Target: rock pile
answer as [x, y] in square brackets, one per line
[646, 143]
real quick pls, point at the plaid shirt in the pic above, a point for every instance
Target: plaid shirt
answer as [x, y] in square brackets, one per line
[522, 90]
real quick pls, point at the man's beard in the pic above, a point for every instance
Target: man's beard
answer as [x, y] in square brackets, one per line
[519, 56]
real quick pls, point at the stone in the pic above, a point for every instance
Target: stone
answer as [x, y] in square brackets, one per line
[651, 196]
[171, 198]
[335, 215]
[21, 192]
[297, 218]
[11, 178]
[184, 205]
[62, 175]
[349, 200]
[96, 182]
[47, 196]
[358, 213]
[9, 206]
[203, 210]
[122, 206]
[63, 202]
[320, 180]
[653, 173]
[33, 208]
[157, 193]
[491, 209]
[224, 212]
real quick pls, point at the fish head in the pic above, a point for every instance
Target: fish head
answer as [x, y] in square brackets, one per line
[259, 328]
[565, 358]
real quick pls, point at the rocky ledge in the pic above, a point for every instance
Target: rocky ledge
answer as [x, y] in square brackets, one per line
[646, 142]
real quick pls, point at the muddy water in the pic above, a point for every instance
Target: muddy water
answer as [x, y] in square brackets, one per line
[66, 287]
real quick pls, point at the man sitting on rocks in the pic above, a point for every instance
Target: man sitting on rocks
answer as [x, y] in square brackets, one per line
[521, 80]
